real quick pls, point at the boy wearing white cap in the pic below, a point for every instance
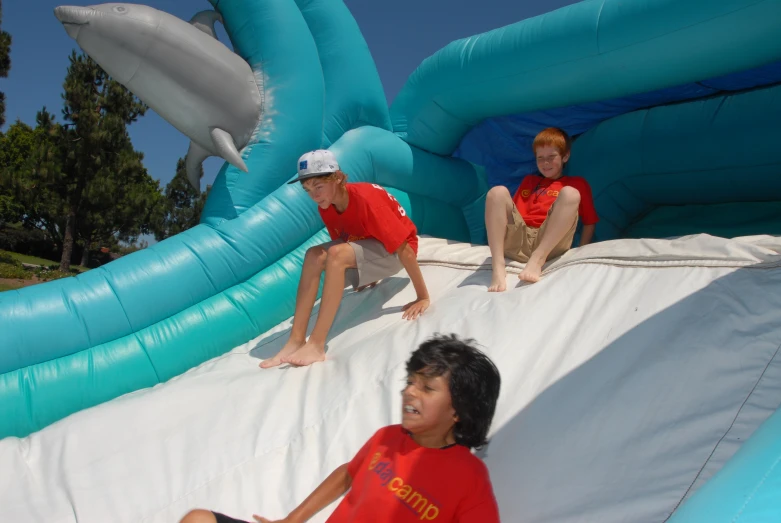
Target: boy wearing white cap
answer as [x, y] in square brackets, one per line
[372, 238]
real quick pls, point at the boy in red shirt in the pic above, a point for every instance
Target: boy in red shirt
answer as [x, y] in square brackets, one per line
[421, 470]
[372, 238]
[539, 222]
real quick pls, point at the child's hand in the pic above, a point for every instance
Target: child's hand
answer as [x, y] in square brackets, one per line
[415, 308]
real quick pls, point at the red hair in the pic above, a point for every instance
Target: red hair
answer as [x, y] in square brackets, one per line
[553, 137]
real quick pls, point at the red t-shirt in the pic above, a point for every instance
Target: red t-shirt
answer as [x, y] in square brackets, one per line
[372, 212]
[395, 480]
[536, 194]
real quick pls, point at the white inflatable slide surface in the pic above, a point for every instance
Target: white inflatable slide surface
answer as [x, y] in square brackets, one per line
[631, 372]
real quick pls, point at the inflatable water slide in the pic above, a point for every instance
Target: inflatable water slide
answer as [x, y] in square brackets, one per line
[641, 376]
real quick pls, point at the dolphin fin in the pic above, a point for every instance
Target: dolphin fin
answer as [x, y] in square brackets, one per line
[205, 22]
[194, 164]
[223, 143]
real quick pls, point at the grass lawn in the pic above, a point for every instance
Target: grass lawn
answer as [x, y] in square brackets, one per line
[23, 258]
[13, 275]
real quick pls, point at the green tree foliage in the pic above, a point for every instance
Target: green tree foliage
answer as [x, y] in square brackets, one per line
[120, 207]
[84, 181]
[24, 152]
[5, 62]
[16, 148]
[183, 206]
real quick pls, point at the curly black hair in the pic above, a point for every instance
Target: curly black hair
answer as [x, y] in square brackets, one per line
[473, 379]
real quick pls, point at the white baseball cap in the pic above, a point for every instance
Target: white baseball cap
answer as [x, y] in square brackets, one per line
[316, 163]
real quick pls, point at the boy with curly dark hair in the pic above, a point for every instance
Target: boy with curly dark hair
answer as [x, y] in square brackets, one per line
[423, 469]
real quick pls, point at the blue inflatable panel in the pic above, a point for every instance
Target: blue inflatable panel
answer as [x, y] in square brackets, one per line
[503, 145]
[692, 154]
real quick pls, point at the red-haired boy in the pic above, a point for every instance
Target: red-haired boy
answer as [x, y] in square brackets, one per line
[539, 222]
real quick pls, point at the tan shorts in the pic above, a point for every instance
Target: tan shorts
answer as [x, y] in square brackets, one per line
[520, 240]
[373, 262]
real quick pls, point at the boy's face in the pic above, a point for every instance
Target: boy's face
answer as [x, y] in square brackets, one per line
[426, 406]
[550, 162]
[321, 190]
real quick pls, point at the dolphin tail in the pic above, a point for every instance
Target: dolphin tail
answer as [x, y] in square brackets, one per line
[223, 144]
[193, 164]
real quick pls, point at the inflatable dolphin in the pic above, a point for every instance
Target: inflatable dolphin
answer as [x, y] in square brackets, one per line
[162, 60]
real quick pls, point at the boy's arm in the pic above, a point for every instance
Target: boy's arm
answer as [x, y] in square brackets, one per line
[587, 234]
[587, 212]
[409, 260]
[331, 488]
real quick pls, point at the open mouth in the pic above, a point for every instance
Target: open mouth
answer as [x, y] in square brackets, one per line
[409, 409]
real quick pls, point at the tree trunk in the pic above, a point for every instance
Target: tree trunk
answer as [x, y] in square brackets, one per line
[85, 253]
[67, 242]
[85, 256]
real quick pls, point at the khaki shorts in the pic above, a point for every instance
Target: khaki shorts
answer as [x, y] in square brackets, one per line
[372, 262]
[520, 240]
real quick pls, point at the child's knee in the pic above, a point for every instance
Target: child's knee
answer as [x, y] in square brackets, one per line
[497, 194]
[338, 255]
[316, 256]
[199, 516]
[569, 195]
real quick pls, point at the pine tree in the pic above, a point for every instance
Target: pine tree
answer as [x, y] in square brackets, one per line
[94, 145]
[183, 206]
[85, 182]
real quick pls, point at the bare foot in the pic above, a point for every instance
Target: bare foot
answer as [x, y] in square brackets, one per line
[367, 286]
[306, 355]
[498, 281]
[531, 273]
[290, 347]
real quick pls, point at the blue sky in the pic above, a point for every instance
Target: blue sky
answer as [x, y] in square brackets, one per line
[400, 34]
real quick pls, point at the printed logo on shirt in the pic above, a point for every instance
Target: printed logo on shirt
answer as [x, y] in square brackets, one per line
[412, 499]
[394, 200]
[349, 237]
[526, 193]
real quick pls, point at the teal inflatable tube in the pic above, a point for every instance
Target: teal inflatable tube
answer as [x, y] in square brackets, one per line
[292, 92]
[353, 92]
[232, 282]
[318, 80]
[590, 51]
[661, 162]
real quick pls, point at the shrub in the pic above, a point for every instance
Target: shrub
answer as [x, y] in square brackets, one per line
[8, 270]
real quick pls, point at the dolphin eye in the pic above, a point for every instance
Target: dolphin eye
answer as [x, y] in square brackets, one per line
[120, 9]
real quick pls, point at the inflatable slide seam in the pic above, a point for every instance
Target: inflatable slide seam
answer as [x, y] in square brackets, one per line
[146, 352]
[516, 268]
[727, 431]
[215, 287]
[75, 313]
[105, 273]
[244, 310]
